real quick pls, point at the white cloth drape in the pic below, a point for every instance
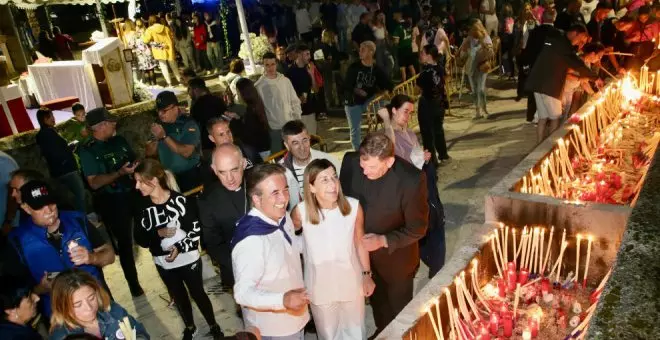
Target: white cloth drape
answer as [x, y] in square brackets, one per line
[64, 79]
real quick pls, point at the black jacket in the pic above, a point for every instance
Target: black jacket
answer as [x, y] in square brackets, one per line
[219, 210]
[368, 78]
[56, 151]
[565, 20]
[548, 74]
[536, 41]
[202, 110]
[12, 331]
[395, 205]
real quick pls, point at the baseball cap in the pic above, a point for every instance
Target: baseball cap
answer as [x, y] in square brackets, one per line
[37, 194]
[98, 115]
[165, 99]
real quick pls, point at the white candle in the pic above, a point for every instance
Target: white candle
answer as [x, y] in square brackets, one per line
[561, 257]
[586, 268]
[523, 246]
[515, 301]
[541, 253]
[461, 300]
[547, 254]
[475, 286]
[435, 327]
[492, 246]
[437, 312]
[506, 245]
[515, 260]
[499, 250]
[530, 239]
[468, 297]
[577, 258]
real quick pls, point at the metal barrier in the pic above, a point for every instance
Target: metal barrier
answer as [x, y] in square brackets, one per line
[274, 158]
[408, 88]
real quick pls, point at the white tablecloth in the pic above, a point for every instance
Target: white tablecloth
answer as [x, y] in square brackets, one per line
[94, 54]
[64, 79]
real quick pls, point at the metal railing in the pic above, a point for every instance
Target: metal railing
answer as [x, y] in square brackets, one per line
[273, 158]
[408, 88]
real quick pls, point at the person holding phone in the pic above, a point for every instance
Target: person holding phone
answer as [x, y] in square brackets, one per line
[51, 241]
[169, 227]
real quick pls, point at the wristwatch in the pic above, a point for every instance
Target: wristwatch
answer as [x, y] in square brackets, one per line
[367, 273]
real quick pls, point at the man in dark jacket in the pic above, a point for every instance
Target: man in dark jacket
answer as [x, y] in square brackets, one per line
[221, 205]
[547, 83]
[393, 194]
[570, 16]
[205, 106]
[535, 43]
[59, 157]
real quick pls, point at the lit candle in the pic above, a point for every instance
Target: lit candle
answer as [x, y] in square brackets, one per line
[494, 323]
[527, 334]
[586, 268]
[492, 246]
[541, 253]
[483, 333]
[577, 258]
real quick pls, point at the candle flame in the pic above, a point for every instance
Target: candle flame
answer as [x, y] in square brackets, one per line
[591, 238]
[579, 236]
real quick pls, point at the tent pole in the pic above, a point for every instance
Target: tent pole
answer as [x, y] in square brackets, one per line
[99, 11]
[246, 33]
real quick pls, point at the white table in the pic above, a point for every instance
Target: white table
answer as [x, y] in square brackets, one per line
[64, 79]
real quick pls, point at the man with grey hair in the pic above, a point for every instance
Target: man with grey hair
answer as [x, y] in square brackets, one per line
[107, 161]
[222, 204]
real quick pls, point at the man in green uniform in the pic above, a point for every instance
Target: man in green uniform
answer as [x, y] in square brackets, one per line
[177, 141]
[107, 161]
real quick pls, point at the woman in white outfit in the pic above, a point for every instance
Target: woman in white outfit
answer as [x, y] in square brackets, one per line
[337, 268]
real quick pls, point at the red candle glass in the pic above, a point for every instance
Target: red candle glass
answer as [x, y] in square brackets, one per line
[483, 334]
[501, 288]
[523, 276]
[507, 323]
[494, 323]
[534, 326]
[545, 286]
[511, 280]
[511, 266]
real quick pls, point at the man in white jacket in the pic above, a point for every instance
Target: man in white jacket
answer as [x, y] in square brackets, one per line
[280, 100]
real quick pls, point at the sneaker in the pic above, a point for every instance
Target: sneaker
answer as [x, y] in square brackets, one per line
[189, 333]
[216, 333]
[137, 292]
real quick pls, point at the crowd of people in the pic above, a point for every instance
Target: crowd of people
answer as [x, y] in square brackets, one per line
[368, 219]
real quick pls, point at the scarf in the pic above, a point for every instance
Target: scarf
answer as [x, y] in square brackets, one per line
[249, 225]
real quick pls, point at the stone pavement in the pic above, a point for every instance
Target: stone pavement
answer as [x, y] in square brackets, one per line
[483, 152]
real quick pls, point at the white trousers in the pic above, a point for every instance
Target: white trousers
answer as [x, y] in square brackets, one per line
[340, 320]
[166, 72]
[310, 123]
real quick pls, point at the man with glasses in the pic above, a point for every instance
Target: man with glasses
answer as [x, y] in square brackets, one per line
[177, 141]
[107, 161]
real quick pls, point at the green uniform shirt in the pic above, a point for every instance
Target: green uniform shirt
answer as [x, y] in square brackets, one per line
[184, 131]
[73, 131]
[100, 158]
[405, 37]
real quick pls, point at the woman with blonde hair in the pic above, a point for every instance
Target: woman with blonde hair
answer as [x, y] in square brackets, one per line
[167, 224]
[81, 305]
[477, 49]
[337, 267]
[159, 37]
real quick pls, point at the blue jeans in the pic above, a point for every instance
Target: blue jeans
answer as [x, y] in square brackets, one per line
[298, 336]
[478, 84]
[74, 182]
[354, 116]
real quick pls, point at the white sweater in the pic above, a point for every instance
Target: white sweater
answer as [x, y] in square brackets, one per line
[280, 100]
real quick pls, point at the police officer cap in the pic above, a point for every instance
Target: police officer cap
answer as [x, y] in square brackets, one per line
[98, 115]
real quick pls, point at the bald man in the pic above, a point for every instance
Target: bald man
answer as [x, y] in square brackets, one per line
[222, 204]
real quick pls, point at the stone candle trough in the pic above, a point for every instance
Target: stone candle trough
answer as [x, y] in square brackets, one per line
[542, 192]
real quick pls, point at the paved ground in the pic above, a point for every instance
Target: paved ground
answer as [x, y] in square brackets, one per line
[483, 152]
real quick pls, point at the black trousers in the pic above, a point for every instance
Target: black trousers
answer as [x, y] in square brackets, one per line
[431, 116]
[390, 297]
[222, 257]
[189, 276]
[115, 211]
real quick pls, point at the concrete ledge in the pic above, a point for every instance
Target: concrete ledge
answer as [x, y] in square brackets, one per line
[629, 307]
